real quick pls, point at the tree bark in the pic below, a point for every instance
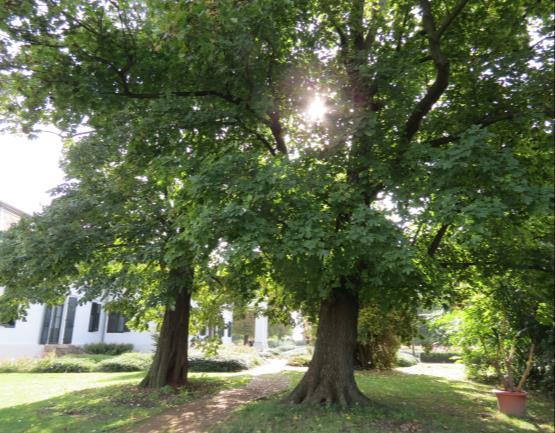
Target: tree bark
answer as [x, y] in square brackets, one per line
[330, 378]
[170, 364]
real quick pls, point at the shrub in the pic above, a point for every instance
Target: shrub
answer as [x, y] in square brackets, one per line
[405, 360]
[133, 361]
[443, 357]
[286, 347]
[206, 365]
[380, 333]
[107, 348]
[299, 360]
[62, 365]
[21, 365]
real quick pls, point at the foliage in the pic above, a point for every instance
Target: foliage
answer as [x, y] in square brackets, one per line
[21, 365]
[216, 365]
[299, 360]
[403, 359]
[134, 361]
[448, 357]
[432, 166]
[380, 334]
[107, 348]
[279, 330]
[63, 365]
[126, 362]
[502, 335]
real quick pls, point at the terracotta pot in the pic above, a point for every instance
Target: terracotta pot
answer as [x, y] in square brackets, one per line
[511, 402]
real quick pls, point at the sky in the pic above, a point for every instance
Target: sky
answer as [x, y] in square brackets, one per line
[29, 169]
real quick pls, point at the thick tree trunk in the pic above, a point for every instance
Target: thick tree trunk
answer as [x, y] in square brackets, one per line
[330, 378]
[170, 364]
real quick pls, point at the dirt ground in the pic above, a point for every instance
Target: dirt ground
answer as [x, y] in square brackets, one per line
[200, 415]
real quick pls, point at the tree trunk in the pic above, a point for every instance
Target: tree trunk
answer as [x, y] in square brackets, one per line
[170, 364]
[364, 357]
[330, 378]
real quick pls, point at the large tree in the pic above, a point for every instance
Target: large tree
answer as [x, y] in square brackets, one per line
[436, 115]
[111, 233]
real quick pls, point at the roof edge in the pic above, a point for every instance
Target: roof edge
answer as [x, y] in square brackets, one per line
[12, 209]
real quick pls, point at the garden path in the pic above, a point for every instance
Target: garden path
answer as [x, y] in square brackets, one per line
[200, 415]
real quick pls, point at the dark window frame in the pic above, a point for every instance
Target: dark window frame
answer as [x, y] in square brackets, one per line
[94, 318]
[117, 324]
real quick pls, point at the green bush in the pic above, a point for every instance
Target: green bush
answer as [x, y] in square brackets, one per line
[405, 360]
[133, 361]
[380, 333]
[21, 365]
[107, 348]
[286, 347]
[207, 365]
[63, 365]
[299, 360]
[440, 357]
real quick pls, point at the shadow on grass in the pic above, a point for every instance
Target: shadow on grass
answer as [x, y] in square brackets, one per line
[400, 403]
[123, 376]
[100, 409]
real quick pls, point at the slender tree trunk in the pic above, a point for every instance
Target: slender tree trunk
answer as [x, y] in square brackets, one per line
[170, 363]
[330, 377]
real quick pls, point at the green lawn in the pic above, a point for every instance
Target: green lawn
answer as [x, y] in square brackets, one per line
[401, 403]
[90, 402]
[99, 402]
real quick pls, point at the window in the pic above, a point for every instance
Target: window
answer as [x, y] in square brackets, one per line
[51, 324]
[94, 320]
[70, 320]
[116, 323]
[9, 324]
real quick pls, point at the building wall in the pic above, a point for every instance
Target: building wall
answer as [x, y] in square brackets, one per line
[23, 339]
[8, 216]
[141, 341]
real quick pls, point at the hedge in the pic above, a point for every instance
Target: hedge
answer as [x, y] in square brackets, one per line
[107, 348]
[126, 362]
[204, 365]
[63, 365]
[439, 357]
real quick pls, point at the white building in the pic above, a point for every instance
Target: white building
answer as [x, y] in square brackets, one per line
[76, 325]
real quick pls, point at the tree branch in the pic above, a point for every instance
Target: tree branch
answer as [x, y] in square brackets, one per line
[434, 92]
[437, 240]
[485, 122]
[449, 18]
[277, 131]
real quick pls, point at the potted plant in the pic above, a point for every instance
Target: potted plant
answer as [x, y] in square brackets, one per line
[512, 399]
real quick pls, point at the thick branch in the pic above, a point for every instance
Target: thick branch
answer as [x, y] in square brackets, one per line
[277, 131]
[441, 64]
[356, 25]
[448, 19]
[528, 369]
[437, 240]
[260, 138]
[487, 121]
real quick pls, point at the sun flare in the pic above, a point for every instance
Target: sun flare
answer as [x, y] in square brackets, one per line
[316, 110]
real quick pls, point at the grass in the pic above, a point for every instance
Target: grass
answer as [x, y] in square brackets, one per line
[91, 402]
[401, 403]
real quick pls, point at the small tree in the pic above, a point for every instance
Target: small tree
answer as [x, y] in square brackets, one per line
[380, 334]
